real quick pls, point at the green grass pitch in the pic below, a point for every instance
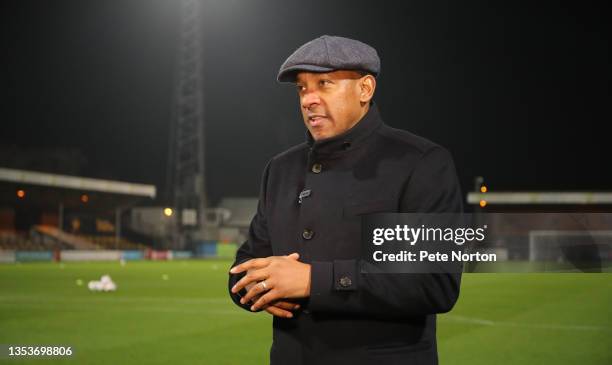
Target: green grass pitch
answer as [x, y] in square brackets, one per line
[179, 313]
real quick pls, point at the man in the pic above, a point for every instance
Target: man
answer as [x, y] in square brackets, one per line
[301, 262]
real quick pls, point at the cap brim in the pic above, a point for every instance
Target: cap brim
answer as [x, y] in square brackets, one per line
[289, 74]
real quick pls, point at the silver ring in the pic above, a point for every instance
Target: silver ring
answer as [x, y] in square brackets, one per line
[263, 284]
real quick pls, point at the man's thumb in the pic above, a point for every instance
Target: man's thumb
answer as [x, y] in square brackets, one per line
[294, 256]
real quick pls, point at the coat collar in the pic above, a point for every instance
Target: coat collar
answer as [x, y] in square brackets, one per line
[350, 139]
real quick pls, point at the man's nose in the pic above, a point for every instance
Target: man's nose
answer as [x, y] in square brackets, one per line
[309, 99]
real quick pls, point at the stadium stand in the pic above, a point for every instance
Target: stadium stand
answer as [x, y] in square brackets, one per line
[11, 240]
[63, 238]
[111, 243]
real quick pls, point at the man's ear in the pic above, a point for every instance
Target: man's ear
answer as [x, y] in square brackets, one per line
[367, 85]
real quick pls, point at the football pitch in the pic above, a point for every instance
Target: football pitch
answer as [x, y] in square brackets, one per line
[178, 312]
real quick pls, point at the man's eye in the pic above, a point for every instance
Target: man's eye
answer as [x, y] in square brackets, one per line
[299, 88]
[324, 82]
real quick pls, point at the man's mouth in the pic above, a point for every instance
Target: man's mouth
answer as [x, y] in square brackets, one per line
[315, 120]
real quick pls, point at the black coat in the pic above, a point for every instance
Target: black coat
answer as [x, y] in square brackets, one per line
[353, 318]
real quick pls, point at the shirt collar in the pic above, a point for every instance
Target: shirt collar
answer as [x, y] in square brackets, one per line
[350, 139]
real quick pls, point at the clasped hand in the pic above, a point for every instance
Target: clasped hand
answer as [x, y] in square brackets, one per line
[272, 281]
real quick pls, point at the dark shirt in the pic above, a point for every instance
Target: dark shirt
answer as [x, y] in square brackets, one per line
[351, 317]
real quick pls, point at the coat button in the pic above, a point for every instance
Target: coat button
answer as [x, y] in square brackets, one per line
[345, 282]
[307, 234]
[316, 168]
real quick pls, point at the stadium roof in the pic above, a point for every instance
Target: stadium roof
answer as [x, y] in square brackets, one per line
[544, 197]
[76, 183]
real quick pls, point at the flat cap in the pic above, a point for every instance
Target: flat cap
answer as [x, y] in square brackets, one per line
[330, 53]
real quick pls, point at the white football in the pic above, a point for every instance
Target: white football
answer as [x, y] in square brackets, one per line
[109, 286]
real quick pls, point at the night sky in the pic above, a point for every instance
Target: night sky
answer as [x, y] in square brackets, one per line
[520, 94]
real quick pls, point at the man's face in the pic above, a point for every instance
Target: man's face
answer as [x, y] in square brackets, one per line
[330, 102]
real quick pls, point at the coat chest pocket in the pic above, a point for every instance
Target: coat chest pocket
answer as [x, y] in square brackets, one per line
[375, 206]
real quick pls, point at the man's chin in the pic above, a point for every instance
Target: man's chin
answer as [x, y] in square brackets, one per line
[319, 134]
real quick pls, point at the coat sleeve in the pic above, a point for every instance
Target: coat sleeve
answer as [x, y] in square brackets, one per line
[258, 240]
[432, 187]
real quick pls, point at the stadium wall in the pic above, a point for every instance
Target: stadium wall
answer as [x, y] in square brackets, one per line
[87, 255]
[28, 256]
[207, 249]
[9, 256]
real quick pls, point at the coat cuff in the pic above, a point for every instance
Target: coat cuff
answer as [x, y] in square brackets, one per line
[331, 283]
